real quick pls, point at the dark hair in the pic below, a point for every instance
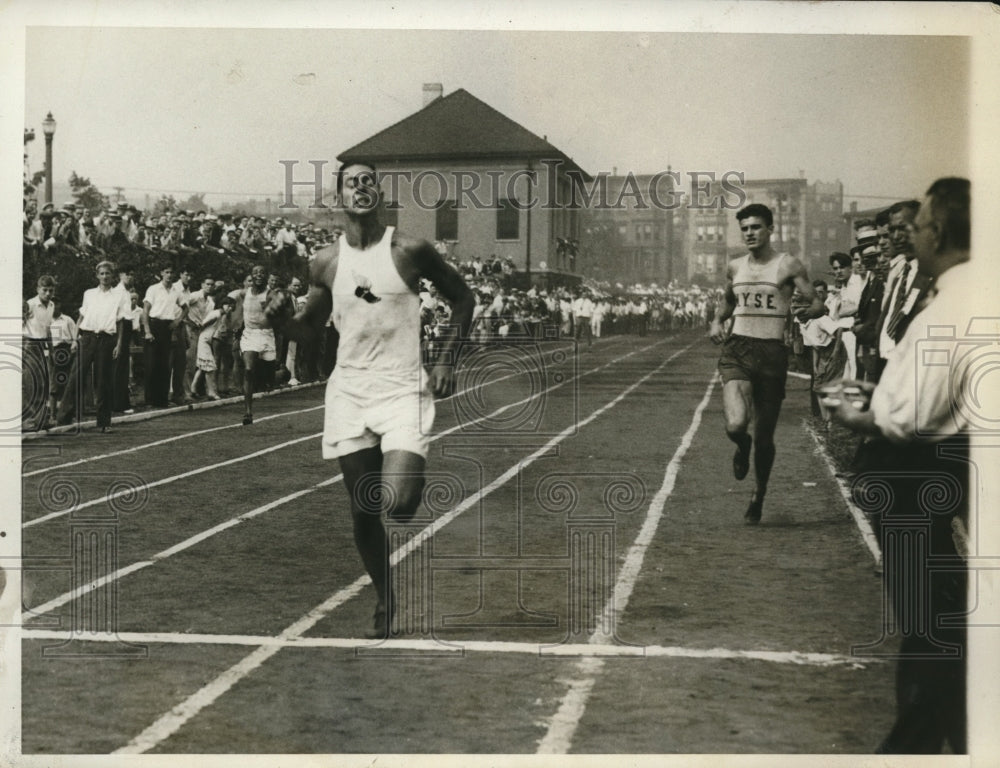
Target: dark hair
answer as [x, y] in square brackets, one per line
[819, 283]
[882, 218]
[950, 199]
[46, 281]
[756, 209]
[840, 258]
[903, 205]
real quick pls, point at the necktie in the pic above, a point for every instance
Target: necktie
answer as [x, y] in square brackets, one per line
[897, 306]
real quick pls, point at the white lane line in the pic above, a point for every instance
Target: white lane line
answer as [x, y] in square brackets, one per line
[165, 441]
[860, 518]
[629, 573]
[175, 719]
[563, 724]
[184, 475]
[110, 578]
[450, 645]
[235, 425]
[166, 480]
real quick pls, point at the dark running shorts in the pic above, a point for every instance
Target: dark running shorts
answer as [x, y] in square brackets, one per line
[762, 362]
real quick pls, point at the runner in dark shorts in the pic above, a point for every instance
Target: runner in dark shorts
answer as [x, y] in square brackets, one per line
[754, 361]
[762, 362]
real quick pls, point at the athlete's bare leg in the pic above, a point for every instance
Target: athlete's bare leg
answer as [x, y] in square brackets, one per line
[737, 405]
[251, 365]
[765, 422]
[391, 484]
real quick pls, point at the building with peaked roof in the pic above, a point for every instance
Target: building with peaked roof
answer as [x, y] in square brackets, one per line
[458, 171]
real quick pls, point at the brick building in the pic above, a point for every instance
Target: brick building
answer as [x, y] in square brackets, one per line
[458, 171]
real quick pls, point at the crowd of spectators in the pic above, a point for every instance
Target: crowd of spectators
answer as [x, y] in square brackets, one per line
[504, 312]
[870, 297]
[209, 257]
[183, 232]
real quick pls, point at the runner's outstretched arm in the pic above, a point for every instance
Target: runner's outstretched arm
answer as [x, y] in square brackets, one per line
[450, 284]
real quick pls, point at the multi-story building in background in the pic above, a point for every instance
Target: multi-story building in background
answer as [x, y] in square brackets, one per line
[706, 243]
[628, 231]
[693, 242]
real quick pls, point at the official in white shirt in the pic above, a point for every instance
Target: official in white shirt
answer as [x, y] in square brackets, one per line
[101, 331]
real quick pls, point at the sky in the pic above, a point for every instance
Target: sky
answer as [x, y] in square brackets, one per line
[177, 111]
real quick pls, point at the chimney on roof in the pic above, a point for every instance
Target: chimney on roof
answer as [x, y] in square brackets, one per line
[432, 91]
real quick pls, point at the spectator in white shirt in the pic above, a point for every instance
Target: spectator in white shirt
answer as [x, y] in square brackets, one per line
[200, 303]
[101, 332]
[163, 310]
[35, 350]
[121, 401]
[63, 332]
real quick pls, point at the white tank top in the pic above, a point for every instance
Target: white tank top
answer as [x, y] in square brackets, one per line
[761, 305]
[380, 330]
[253, 309]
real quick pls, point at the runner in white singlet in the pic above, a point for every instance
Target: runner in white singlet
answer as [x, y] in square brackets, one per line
[257, 340]
[379, 399]
[754, 361]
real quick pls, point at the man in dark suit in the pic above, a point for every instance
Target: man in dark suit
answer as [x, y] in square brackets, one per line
[867, 317]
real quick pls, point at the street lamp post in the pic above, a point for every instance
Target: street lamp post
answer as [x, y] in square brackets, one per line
[49, 128]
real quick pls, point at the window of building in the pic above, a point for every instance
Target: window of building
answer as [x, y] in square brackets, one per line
[508, 220]
[701, 234]
[622, 230]
[446, 221]
[831, 233]
[815, 233]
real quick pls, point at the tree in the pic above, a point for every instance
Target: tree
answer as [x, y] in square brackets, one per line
[165, 205]
[195, 202]
[87, 195]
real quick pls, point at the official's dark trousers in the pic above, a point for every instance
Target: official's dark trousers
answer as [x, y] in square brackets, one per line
[121, 399]
[34, 383]
[96, 351]
[181, 382]
[158, 352]
[926, 579]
